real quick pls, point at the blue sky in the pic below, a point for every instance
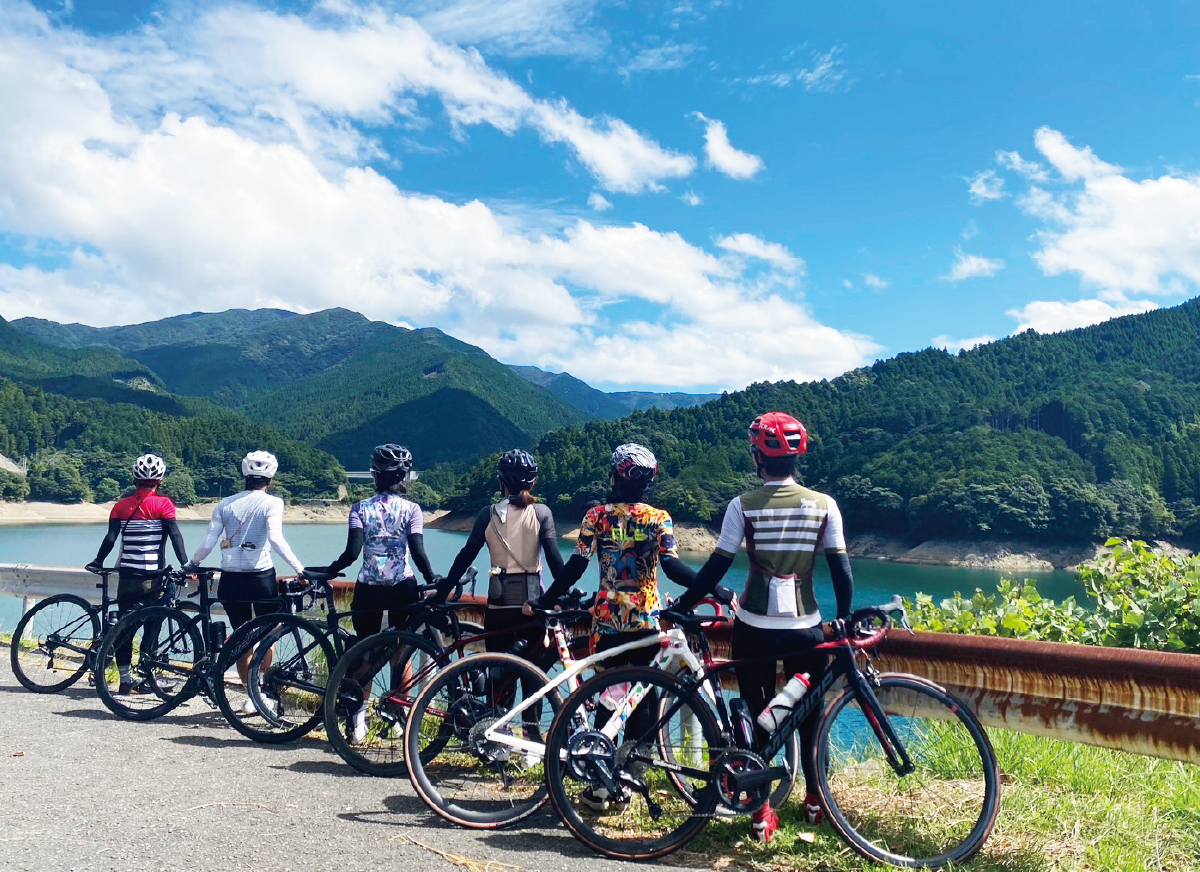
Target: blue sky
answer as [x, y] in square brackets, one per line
[693, 194]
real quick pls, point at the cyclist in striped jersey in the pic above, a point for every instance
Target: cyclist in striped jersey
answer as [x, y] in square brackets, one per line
[783, 525]
[143, 521]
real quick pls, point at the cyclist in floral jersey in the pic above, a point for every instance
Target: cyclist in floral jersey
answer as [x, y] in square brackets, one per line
[632, 539]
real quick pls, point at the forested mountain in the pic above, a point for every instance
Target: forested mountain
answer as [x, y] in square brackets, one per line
[81, 416]
[338, 380]
[598, 404]
[1081, 434]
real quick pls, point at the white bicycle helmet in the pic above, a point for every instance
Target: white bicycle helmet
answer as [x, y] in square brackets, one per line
[149, 467]
[260, 463]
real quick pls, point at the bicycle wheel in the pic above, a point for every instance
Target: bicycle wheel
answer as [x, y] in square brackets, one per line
[611, 783]
[53, 642]
[466, 777]
[788, 757]
[939, 813]
[166, 648]
[288, 671]
[369, 695]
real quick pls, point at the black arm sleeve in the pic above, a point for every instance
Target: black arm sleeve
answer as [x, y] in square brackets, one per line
[110, 539]
[843, 580]
[707, 578]
[569, 574]
[416, 547]
[173, 531]
[354, 546]
[678, 571]
[467, 553]
[548, 538]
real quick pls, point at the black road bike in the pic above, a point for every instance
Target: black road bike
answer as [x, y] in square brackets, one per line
[56, 641]
[906, 774]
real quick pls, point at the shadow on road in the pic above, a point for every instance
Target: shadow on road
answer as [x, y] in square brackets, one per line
[333, 765]
[560, 843]
[68, 693]
[398, 805]
[230, 740]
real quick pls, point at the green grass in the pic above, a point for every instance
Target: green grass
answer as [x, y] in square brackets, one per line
[1065, 807]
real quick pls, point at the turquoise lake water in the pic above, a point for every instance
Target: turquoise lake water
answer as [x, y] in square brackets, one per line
[319, 544]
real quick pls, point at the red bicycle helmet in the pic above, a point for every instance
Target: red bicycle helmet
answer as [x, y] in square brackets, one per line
[778, 434]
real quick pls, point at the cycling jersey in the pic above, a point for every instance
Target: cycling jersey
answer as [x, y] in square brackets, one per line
[143, 534]
[387, 520]
[783, 524]
[248, 525]
[630, 538]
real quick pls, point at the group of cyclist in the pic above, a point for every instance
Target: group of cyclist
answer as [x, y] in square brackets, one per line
[782, 524]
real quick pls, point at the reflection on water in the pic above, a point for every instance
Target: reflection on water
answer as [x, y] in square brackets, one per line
[319, 544]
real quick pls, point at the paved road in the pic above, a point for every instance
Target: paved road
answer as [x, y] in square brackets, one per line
[83, 790]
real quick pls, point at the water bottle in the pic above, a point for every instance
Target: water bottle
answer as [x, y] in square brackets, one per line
[781, 706]
[216, 636]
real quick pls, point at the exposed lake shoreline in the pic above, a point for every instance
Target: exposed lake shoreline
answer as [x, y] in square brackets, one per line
[1003, 555]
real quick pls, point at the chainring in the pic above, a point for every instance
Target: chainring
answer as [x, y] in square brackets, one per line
[587, 748]
[729, 765]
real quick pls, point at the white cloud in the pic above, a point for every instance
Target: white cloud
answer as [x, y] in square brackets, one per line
[316, 81]
[971, 230]
[1054, 317]
[752, 246]
[874, 281]
[515, 27]
[952, 345]
[192, 212]
[827, 73]
[1030, 169]
[1119, 235]
[599, 202]
[668, 56]
[691, 198]
[984, 186]
[847, 284]
[723, 156]
[968, 266]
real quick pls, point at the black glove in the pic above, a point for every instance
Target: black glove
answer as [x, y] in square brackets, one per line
[316, 573]
[190, 568]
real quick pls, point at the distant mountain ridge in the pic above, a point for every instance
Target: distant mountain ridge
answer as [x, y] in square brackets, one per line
[605, 405]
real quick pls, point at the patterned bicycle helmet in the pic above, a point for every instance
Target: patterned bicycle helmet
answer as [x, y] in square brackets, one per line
[778, 434]
[260, 463]
[517, 470]
[149, 467]
[391, 458]
[634, 463]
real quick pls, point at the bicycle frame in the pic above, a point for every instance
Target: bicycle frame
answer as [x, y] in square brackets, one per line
[673, 649]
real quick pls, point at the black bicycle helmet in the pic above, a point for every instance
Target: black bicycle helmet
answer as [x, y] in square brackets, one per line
[517, 470]
[391, 458]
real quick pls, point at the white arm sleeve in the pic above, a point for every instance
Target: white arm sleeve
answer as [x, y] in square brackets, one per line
[275, 536]
[215, 527]
[835, 538]
[733, 529]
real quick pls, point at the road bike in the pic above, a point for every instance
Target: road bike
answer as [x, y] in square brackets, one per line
[283, 697]
[476, 734]
[56, 641]
[905, 773]
[372, 687]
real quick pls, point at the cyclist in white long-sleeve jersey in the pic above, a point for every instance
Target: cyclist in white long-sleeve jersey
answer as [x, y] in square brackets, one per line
[249, 526]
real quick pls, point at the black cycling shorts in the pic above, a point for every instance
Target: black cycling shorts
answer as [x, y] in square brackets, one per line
[246, 594]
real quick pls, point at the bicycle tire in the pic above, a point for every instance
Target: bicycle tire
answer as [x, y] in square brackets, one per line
[38, 639]
[465, 778]
[570, 750]
[379, 748]
[168, 648]
[288, 694]
[902, 820]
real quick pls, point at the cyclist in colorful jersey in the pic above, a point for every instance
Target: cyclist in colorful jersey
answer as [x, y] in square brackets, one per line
[783, 525]
[143, 521]
[249, 526]
[515, 530]
[632, 540]
[386, 529]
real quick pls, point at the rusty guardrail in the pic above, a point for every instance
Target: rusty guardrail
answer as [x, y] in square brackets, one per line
[1146, 702]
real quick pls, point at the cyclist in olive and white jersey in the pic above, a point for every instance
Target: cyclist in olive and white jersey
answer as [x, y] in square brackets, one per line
[783, 524]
